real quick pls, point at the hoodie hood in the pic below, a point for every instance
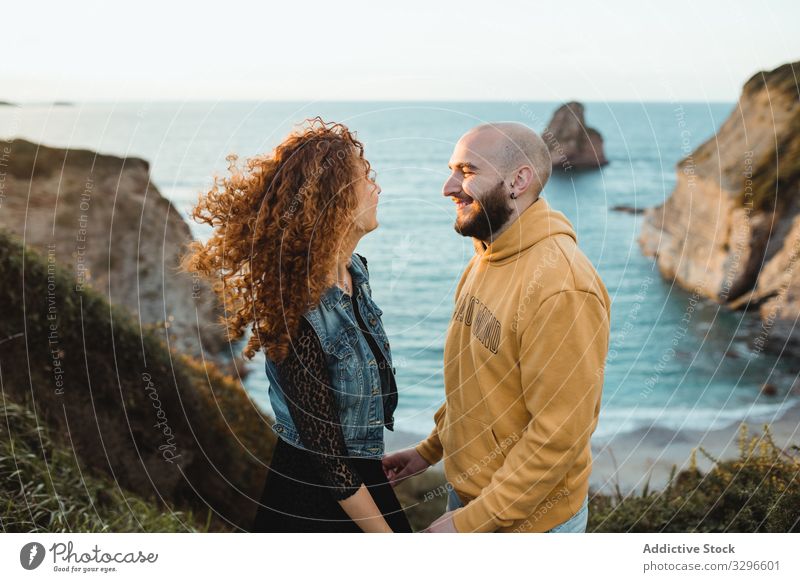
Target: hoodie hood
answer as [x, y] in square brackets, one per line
[535, 224]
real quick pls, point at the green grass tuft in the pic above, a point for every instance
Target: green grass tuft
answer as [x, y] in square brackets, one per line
[42, 489]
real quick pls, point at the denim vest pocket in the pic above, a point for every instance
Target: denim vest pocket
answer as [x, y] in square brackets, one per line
[343, 351]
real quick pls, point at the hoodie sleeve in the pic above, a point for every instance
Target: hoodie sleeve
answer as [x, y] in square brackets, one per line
[562, 358]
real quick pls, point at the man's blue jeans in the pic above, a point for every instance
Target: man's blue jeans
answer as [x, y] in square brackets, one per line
[575, 524]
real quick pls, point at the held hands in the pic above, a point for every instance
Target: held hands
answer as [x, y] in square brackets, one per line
[407, 463]
[403, 464]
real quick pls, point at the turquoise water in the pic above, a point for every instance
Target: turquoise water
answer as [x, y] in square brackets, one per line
[658, 374]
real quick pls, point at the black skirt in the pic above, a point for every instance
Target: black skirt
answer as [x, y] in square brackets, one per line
[295, 500]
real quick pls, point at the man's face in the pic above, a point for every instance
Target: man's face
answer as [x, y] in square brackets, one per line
[477, 187]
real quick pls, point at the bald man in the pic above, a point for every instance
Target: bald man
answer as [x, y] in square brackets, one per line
[525, 350]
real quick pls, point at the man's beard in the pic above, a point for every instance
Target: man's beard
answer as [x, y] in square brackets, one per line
[491, 214]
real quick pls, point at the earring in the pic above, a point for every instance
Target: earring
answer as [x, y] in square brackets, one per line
[513, 194]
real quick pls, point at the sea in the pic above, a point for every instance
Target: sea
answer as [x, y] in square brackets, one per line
[676, 361]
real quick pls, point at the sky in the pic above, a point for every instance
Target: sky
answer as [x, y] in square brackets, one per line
[615, 50]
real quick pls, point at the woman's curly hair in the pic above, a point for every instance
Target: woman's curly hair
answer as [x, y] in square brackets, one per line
[278, 226]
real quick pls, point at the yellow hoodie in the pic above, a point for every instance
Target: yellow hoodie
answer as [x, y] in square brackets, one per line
[523, 374]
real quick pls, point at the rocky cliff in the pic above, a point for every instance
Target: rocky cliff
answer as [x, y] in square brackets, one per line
[571, 142]
[101, 218]
[155, 421]
[731, 228]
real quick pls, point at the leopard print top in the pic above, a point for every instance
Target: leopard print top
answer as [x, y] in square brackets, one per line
[314, 411]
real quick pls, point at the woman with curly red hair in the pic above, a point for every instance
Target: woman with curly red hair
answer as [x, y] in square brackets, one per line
[282, 258]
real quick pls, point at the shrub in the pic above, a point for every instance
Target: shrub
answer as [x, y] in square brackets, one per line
[757, 492]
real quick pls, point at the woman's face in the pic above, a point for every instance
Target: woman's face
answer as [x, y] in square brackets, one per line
[367, 190]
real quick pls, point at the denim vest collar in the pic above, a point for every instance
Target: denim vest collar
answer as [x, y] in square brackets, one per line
[336, 294]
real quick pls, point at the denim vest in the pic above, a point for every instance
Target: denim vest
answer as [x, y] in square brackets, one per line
[352, 368]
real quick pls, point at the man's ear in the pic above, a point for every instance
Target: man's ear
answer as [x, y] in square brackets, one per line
[522, 179]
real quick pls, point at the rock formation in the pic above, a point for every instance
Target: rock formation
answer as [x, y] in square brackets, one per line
[731, 228]
[627, 208]
[571, 143]
[101, 218]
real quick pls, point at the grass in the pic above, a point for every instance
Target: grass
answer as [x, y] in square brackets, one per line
[42, 489]
[118, 398]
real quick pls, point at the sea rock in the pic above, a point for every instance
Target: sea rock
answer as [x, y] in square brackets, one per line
[730, 230]
[627, 208]
[100, 217]
[769, 390]
[571, 143]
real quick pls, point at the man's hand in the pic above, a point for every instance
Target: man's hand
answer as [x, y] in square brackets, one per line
[442, 525]
[403, 464]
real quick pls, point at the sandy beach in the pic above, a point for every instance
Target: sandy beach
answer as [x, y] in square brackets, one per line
[628, 459]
